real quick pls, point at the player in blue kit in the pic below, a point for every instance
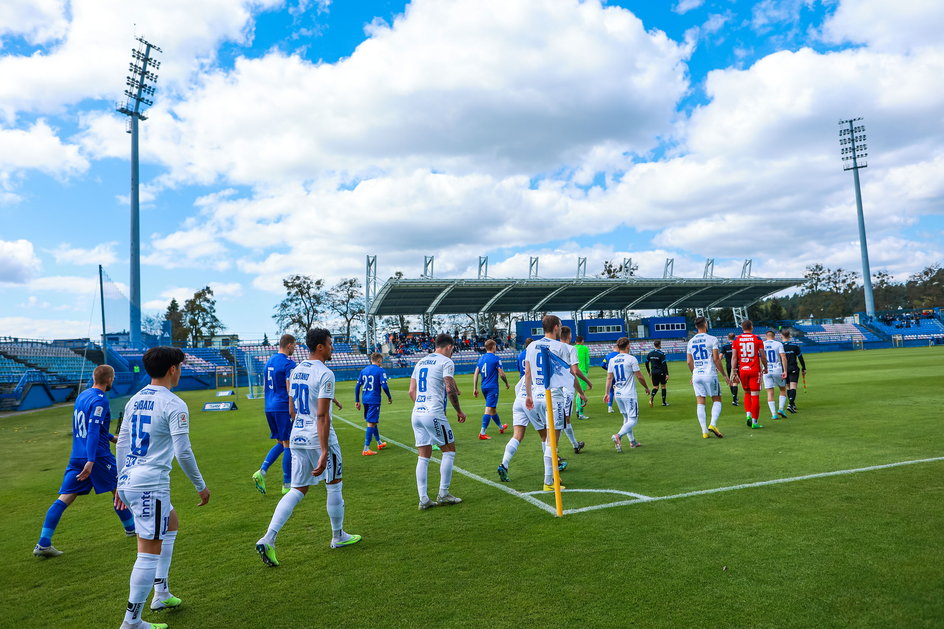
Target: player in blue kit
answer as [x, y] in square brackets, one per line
[490, 368]
[277, 371]
[91, 464]
[372, 378]
[611, 392]
[522, 357]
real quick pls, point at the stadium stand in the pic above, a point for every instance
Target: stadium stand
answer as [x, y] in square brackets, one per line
[914, 328]
[10, 370]
[59, 363]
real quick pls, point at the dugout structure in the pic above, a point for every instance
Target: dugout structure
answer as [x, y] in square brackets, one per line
[429, 297]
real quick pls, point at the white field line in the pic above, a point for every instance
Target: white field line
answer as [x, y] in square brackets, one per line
[508, 490]
[594, 491]
[750, 485]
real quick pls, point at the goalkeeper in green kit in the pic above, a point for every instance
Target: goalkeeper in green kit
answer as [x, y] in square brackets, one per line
[583, 363]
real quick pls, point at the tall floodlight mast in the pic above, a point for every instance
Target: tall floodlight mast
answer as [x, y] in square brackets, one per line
[852, 141]
[140, 87]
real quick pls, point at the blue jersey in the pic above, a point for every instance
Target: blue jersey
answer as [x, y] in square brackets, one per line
[521, 361]
[372, 379]
[608, 358]
[91, 419]
[277, 372]
[489, 364]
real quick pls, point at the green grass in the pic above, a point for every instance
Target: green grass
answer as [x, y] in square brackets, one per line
[858, 550]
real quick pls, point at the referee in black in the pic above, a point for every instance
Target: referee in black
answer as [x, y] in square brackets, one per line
[658, 370]
[727, 349]
[794, 356]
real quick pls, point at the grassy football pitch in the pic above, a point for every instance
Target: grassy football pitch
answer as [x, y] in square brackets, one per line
[857, 549]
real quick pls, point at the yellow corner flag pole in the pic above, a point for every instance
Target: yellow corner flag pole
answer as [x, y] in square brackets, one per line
[552, 431]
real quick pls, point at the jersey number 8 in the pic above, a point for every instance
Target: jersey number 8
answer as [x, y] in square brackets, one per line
[422, 379]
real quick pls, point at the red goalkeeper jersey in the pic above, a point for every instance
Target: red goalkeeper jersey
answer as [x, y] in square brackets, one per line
[748, 348]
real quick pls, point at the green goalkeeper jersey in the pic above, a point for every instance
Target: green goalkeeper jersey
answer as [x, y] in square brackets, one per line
[583, 358]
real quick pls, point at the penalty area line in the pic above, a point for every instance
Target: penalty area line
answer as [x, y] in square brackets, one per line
[455, 468]
[776, 481]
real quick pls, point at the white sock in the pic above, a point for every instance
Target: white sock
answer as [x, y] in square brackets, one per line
[335, 506]
[627, 429]
[548, 464]
[422, 470]
[700, 410]
[510, 450]
[163, 566]
[783, 401]
[773, 409]
[569, 430]
[715, 413]
[445, 472]
[283, 511]
[142, 578]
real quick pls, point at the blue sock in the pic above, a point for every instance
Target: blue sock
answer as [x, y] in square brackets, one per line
[376, 432]
[287, 466]
[51, 522]
[497, 421]
[368, 435]
[272, 456]
[127, 519]
[485, 421]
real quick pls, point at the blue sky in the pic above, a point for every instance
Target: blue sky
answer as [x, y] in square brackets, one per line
[302, 136]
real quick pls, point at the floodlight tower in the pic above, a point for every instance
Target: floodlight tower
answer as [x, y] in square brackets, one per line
[852, 141]
[140, 86]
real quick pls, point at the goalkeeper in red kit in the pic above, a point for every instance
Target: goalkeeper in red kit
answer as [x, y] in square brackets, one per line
[748, 363]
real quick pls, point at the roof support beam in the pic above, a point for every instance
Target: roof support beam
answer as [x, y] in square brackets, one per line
[553, 293]
[600, 296]
[491, 302]
[647, 295]
[728, 296]
[681, 299]
[442, 295]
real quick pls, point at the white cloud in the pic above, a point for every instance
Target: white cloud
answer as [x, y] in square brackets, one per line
[898, 26]
[34, 328]
[459, 87]
[91, 60]
[222, 291]
[39, 147]
[103, 254]
[36, 21]
[18, 261]
[684, 6]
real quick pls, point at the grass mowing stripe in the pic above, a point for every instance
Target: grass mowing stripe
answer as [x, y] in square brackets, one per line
[776, 481]
[455, 468]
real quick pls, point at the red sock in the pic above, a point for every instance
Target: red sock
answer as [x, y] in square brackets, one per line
[755, 407]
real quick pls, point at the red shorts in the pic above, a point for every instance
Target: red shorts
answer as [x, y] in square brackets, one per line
[750, 380]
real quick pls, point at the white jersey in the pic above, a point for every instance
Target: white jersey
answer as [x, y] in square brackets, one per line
[700, 349]
[569, 388]
[624, 368]
[773, 349]
[310, 381]
[558, 373]
[430, 374]
[151, 418]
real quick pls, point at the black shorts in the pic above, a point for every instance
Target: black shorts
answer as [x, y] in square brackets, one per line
[659, 378]
[793, 375]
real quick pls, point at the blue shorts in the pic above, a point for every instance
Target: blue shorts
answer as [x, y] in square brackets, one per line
[491, 397]
[280, 425]
[371, 413]
[104, 477]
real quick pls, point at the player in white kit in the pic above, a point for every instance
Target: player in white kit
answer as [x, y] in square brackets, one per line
[555, 377]
[704, 361]
[431, 384]
[572, 391]
[620, 371]
[316, 454]
[776, 374]
[155, 431]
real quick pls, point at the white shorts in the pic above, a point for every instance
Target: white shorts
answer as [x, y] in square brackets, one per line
[706, 386]
[432, 429]
[628, 406]
[304, 461]
[521, 416]
[151, 511]
[558, 407]
[569, 397]
[772, 380]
